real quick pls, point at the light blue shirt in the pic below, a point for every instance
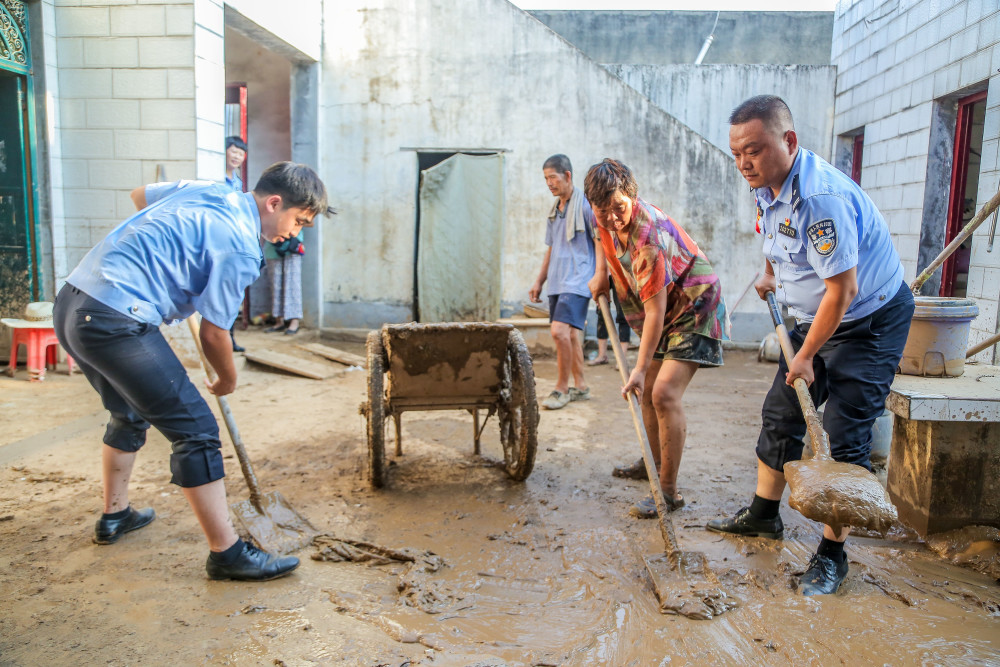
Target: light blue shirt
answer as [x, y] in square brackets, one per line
[571, 263]
[820, 225]
[234, 182]
[195, 247]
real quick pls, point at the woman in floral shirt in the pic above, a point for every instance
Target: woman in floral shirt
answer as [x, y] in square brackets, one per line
[671, 297]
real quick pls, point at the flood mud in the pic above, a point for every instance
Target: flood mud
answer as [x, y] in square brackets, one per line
[545, 572]
[839, 494]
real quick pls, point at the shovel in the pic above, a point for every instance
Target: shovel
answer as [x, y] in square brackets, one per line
[833, 493]
[268, 518]
[683, 581]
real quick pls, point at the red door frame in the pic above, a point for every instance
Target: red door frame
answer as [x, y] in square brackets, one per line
[859, 145]
[959, 176]
[236, 93]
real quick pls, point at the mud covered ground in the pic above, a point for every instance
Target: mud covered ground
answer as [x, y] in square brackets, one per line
[546, 572]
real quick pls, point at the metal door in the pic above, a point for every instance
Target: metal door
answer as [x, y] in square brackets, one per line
[17, 283]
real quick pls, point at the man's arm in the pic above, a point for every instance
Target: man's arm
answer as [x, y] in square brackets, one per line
[840, 292]
[652, 328]
[534, 294]
[219, 352]
[599, 283]
[139, 197]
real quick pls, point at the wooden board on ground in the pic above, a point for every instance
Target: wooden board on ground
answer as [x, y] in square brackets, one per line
[334, 354]
[286, 362]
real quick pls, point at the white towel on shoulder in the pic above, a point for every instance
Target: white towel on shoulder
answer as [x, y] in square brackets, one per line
[574, 214]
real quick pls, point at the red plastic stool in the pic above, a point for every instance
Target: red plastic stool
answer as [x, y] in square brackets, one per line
[41, 343]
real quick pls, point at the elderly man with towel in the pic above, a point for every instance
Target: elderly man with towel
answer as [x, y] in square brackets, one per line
[568, 265]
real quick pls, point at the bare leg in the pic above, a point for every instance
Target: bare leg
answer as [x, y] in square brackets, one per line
[602, 349]
[649, 419]
[671, 382]
[116, 466]
[293, 325]
[564, 354]
[210, 508]
[575, 336]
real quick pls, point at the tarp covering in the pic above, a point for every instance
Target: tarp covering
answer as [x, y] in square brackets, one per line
[460, 239]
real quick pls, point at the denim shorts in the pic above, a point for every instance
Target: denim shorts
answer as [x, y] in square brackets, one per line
[569, 308]
[141, 382]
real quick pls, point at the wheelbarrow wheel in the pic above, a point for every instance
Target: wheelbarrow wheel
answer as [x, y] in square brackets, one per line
[376, 410]
[518, 410]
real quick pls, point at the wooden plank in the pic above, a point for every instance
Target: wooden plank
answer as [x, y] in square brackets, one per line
[291, 364]
[334, 354]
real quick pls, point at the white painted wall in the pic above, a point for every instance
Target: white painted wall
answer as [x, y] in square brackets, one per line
[703, 96]
[297, 23]
[896, 63]
[482, 74]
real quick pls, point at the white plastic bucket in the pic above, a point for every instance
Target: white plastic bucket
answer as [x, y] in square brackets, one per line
[939, 336]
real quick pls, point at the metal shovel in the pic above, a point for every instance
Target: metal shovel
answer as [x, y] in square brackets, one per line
[836, 494]
[268, 518]
[684, 583]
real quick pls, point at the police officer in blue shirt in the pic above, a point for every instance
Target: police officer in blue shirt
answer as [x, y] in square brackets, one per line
[830, 259]
[193, 246]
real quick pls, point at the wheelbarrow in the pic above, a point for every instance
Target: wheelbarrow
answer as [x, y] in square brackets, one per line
[481, 367]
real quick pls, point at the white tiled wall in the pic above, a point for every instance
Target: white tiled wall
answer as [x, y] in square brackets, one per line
[894, 59]
[122, 100]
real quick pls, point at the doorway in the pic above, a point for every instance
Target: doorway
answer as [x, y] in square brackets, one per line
[969, 124]
[459, 237]
[19, 280]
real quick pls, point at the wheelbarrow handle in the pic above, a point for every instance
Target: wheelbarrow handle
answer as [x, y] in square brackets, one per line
[820, 441]
[227, 416]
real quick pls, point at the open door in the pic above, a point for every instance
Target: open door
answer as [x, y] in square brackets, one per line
[459, 239]
[18, 274]
[969, 127]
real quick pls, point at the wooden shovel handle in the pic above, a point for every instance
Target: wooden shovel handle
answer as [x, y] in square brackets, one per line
[820, 441]
[227, 416]
[666, 526]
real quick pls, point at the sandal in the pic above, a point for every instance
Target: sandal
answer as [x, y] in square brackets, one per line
[276, 328]
[646, 508]
[597, 362]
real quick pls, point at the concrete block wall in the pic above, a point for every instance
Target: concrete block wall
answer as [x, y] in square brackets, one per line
[132, 85]
[395, 78]
[703, 96]
[901, 67]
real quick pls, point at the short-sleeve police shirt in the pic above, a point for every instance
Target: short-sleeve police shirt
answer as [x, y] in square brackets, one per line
[195, 247]
[820, 225]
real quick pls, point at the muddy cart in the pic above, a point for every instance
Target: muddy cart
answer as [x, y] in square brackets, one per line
[476, 366]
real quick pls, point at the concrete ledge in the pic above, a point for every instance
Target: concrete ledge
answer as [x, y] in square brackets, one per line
[536, 334]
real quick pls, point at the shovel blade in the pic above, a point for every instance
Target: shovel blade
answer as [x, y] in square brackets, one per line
[685, 586]
[276, 527]
[839, 494]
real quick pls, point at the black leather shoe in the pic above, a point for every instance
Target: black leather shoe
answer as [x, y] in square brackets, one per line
[635, 470]
[108, 531]
[252, 565]
[747, 525]
[823, 576]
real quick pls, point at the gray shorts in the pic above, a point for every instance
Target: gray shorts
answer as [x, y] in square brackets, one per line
[705, 351]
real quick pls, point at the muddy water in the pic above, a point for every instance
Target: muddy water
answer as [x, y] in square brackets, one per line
[545, 572]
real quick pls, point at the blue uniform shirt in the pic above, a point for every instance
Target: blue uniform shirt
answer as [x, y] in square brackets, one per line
[234, 182]
[820, 225]
[194, 247]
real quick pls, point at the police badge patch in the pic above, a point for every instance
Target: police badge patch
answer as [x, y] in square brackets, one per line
[823, 235]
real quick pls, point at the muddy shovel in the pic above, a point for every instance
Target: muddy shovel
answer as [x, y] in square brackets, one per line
[268, 518]
[684, 583]
[836, 494]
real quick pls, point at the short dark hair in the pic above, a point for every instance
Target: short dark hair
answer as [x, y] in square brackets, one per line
[771, 110]
[605, 179]
[560, 163]
[298, 185]
[236, 141]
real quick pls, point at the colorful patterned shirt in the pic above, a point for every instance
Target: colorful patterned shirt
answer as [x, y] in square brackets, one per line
[660, 253]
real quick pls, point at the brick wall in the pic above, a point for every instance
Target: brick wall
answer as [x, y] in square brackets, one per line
[133, 84]
[900, 67]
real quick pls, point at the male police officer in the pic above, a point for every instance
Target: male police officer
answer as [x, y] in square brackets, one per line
[192, 246]
[831, 261]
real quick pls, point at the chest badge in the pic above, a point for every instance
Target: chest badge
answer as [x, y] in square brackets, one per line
[787, 229]
[823, 236]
